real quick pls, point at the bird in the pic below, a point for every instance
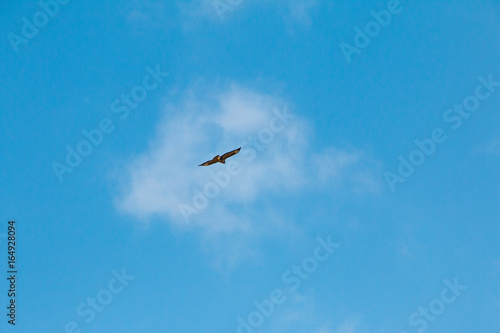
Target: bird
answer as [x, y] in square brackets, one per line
[221, 159]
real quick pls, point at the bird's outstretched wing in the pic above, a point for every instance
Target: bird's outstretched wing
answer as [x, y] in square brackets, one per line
[208, 162]
[231, 153]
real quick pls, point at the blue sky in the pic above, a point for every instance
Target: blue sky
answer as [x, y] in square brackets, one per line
[365, 197]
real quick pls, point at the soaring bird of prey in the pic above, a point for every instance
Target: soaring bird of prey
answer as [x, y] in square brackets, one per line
[221, 159]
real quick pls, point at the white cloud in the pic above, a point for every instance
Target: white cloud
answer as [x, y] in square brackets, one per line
[351, 324]
[198, 9]
[293, 11]
[302, 314]
[354, 168]
[146, 15]
[301, 11]
[274, 161]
